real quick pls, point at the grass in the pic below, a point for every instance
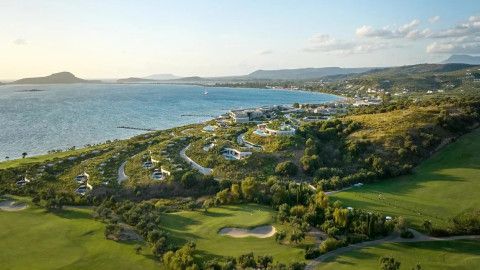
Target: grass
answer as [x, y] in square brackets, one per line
[458, 255]
[69, 239]
[24, 162]
[440, 188]
[202, 228]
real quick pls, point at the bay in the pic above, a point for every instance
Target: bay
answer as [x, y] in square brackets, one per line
[62, 116]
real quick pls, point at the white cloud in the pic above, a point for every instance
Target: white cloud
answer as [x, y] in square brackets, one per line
[434, 19]
[406, 31]
[461, 29]
[323, 43]
[20, 41]
[466, 44]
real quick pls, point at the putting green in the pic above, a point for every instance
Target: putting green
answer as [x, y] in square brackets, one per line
[69, 239]
[203, 228]
[440, 188]
[458, 255]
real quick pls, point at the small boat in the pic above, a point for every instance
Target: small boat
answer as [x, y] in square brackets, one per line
[206, 92]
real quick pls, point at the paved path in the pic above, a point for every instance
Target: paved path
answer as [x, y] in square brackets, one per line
[394, 238]
[121, 173]
[197, 166]
[241, 140]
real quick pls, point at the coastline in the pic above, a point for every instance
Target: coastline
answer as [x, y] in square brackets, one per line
[36, 155]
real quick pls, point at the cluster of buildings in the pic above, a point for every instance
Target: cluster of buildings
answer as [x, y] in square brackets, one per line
[247, 115]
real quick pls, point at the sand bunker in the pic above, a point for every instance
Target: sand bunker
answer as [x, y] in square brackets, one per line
[260, 232]
[10, 206]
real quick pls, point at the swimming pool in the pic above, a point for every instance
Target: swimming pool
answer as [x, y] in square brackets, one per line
[229, 157]
[209, 128]
[258, 132]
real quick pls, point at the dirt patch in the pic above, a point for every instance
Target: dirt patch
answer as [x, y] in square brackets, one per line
[10, 206]
[260, 232]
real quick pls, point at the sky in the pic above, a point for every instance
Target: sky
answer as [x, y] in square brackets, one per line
[117, 39]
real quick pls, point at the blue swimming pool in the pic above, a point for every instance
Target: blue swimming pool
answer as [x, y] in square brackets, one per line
[209, 128]
[229, 157]
[258, 132]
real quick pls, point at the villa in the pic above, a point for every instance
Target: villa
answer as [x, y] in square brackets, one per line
[285, 130]
[232, 154]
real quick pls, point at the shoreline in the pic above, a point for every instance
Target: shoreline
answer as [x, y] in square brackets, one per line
[100, 144]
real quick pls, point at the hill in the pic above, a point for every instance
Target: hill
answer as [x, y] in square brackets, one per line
[56, 78]
[462, 58]
[428, 194]
[303, 73]
[135, 80]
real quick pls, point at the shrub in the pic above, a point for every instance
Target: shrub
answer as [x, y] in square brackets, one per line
[286, 168]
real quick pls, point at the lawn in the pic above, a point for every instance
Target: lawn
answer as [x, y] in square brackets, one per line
[458, 255]
[69, 239]
[24, 162]
[440, 188]
[202, 228]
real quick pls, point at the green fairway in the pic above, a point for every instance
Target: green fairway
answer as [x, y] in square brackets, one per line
[440, 188]
[458, 255]
[69, 239]
[202, 228]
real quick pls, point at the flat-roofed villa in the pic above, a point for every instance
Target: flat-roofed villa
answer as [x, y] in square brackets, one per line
[284, 130]
[239, 116]
[232, 154]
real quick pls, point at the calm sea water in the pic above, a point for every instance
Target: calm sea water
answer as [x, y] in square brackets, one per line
[63, 116]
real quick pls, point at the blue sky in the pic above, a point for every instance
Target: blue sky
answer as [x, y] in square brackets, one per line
[102, 39]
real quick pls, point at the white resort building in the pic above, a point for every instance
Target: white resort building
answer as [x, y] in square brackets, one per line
[285, 130]
[230, 153]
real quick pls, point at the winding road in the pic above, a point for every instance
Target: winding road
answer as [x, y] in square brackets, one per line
[197, 166]
[393, 238]
[121, 173]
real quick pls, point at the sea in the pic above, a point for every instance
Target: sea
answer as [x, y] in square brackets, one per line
[62, 116]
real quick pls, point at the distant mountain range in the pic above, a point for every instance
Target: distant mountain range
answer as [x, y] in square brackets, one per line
[56, 78]
[303, 73]
[463, 59]
[135, 80]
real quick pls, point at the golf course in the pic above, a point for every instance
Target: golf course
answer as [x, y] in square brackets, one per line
[439, 189]
[67, 239]
[203, 227]
[440, 255]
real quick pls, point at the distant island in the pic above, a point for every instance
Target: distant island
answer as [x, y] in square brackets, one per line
[30, 90]
[56, 78]
[135, 80]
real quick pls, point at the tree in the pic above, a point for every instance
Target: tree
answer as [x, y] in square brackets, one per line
[387, 263]
[207, 204]
[321, 200]
[249, 188]
[24, 154]
[427, 225]
[280, 235]
[189, 180]
[296, 105]
[36, 199]
[297, 235]
[286, 168]
[247, 260]
[235, 193]
[181, 259]
[212, 265]
[223, 195]
[283, 213]
[341, 217]
[265, 260]
[138, 249]
[401, 224]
